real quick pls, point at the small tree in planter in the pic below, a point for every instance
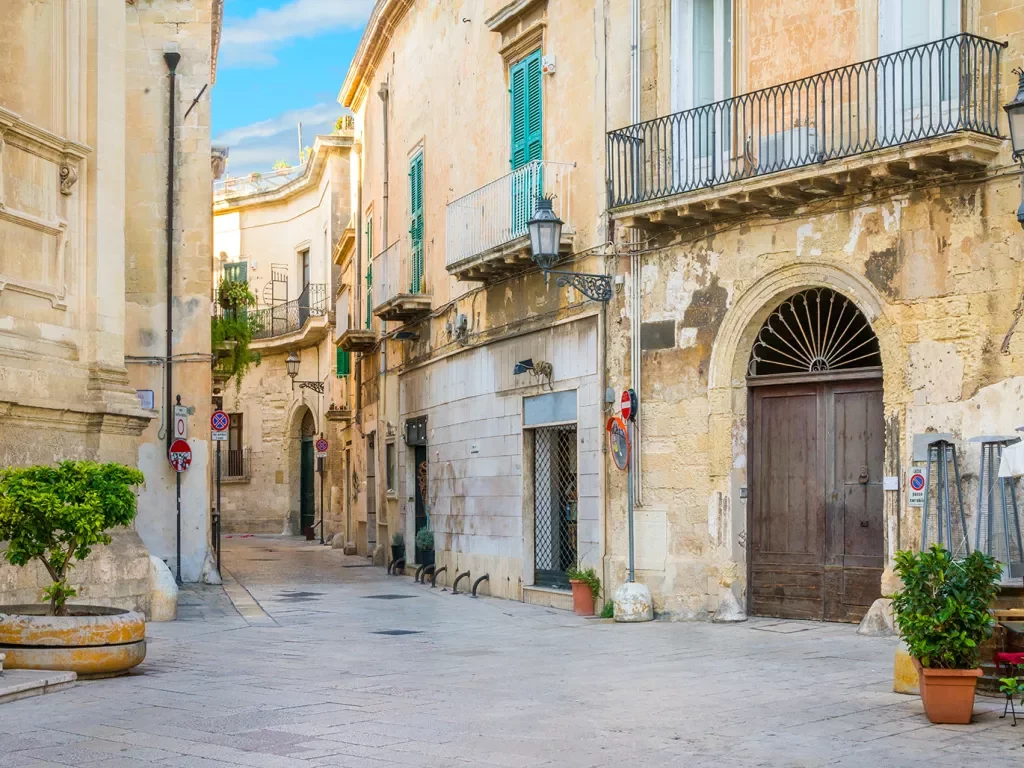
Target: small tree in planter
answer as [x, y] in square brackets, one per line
[942, 614]
[56, 515]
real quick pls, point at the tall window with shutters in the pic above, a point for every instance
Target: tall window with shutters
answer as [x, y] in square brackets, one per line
[236, 272]
[416, 221]
[343, 363]
[369, 272]
[527, 131]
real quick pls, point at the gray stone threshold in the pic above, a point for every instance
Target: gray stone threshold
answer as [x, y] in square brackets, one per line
[21, 683]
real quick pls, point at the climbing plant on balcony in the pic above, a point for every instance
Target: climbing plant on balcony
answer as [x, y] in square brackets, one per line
[232, 331]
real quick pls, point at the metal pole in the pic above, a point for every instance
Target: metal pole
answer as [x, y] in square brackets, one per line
[629, 497]
[322, 463]
[217, 532]
[177, 570]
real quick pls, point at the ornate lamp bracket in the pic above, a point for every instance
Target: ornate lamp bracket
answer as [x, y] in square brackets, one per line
[596, 287]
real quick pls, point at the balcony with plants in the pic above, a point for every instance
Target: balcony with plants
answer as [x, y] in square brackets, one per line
[930, 111]
[399, 283]
[486, 230]
[232, 331]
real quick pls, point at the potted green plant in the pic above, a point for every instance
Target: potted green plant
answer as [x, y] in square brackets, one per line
[586, 587]
[397, 547]
[232, 332]
[425, 546]
[55, 516]
[942, 614]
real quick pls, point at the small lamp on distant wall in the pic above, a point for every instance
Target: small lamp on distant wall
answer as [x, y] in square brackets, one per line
[1015, 115]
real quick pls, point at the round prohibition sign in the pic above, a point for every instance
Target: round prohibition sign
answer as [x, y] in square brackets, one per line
[321, 445]
[219, 421]
[917, 481]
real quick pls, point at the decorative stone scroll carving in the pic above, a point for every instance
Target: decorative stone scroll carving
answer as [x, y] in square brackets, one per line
[68, 177]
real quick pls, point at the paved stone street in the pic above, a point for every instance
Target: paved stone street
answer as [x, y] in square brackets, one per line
[312, 677]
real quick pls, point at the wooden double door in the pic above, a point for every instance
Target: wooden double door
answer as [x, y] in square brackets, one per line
[815, 512]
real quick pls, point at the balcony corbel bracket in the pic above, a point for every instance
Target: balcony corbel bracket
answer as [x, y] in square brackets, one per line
[595, 287]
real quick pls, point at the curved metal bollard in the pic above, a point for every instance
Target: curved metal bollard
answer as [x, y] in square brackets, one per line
[427, 572]
[395, 564]
[433, 578]
[419, 572]
[455, 586]
[486, 577]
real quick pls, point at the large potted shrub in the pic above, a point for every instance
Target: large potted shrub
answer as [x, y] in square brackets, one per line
[942, 614]
[55, 516]
[397, 547]
[232, 331]
[425, 546]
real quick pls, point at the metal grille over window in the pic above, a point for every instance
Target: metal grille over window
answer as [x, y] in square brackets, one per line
[815, 331]
[556, 504]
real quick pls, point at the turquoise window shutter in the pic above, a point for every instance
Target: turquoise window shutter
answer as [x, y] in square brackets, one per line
[236, 272]
[416, 222]
[343, 364]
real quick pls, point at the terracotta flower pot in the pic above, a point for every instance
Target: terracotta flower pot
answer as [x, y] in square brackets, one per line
[582, 598]
[947, 694]
[93, 641]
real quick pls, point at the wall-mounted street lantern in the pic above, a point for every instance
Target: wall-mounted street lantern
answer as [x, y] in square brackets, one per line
[291, 363]
[545, 241]
[1015, 115]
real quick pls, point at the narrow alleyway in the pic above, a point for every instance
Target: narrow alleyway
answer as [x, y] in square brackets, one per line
[337, 664]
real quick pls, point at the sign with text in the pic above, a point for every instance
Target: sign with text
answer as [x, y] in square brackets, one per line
[181, 422]
[915, 487]
[321, 448]
[219, 423]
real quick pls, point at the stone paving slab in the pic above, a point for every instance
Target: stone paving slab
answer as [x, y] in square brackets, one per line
[22, 683]
[484, 683]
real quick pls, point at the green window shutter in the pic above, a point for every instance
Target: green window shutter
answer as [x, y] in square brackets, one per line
[527, 110]
[416, 223]
[369, 272]
[343, 365]
[237, 272]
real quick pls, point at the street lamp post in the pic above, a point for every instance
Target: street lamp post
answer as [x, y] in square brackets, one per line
[545, 241]
[291, 363]
[1015, 116]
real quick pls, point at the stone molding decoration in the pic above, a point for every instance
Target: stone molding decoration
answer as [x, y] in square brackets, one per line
[67, 156]
[68, 177]
[380, 28]
[521, 25]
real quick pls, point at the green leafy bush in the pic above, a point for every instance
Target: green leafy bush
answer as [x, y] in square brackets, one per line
[397, 540]
[425, 539]
[588, 575]
[608, 612]
[942, 612]
[57, 514]
[232, 333]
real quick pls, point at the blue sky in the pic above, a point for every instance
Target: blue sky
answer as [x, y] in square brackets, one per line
[281, 62]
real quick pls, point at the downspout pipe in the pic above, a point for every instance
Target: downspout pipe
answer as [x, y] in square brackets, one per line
[171, 58]
[382, 412]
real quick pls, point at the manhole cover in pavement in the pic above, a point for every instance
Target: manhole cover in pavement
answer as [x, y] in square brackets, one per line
[292, 595]
[388, 597]
[397, 632]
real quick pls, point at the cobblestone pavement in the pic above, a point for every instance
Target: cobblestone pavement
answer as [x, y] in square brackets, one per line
[318, 674]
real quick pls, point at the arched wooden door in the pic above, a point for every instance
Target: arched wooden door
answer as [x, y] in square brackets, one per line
[816, 449]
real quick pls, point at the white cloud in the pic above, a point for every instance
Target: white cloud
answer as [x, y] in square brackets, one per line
[251, 41]
[286, 121]
[257, 146]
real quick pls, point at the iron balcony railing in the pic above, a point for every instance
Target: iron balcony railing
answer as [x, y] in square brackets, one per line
[395, 274]
[291, 315]
[498, 212]
[930, 90]
[236, 464]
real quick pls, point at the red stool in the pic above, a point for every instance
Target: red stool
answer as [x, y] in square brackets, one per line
[1012, 661]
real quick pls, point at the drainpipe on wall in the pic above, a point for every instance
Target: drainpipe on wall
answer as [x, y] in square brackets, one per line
[635, 298]
[171, 58]
[380, 455]
[357, 374]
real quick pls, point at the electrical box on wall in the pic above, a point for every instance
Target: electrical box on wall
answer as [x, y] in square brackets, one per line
[547, 65]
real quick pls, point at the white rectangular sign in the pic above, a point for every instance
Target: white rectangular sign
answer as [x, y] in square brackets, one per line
[181, 422]
[220, 437]
[915, 487]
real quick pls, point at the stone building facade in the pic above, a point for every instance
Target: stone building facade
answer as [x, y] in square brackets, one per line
[449, 431]
[278, 233]
[83, 140]
[776, 463]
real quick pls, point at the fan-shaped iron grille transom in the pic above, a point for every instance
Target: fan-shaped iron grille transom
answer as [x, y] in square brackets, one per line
[815, 331]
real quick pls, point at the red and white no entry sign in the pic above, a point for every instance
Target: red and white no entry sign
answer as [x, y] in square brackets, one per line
[180, 455]
[628, 404]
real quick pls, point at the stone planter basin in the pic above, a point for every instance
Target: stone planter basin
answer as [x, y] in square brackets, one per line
[93, 641]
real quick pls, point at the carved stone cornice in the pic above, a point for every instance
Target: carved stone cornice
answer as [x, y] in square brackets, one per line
[73, 419]
[39, 141]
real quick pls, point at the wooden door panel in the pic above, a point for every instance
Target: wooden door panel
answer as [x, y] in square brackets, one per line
[787, 492]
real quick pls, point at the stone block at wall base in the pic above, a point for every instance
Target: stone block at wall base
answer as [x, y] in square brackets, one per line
[210, 573]
[164, 600]
[116, 575]
[878, 621]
